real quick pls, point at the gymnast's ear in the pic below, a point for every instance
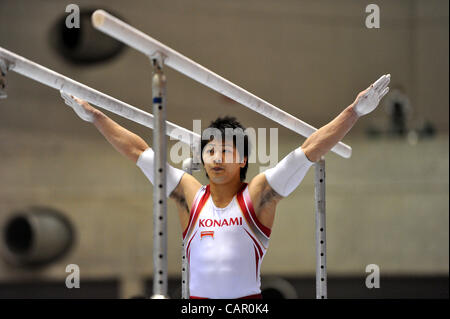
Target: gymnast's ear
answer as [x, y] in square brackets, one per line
[244, 162]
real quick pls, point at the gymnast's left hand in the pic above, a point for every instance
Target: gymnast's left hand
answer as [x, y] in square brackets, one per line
[368, 100]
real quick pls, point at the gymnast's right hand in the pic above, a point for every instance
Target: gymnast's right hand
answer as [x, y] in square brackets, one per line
[83, 109]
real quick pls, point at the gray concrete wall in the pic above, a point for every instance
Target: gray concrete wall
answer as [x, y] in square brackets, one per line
[387, 205]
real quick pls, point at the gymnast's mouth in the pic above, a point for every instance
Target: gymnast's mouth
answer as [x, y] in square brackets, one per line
[217, 169]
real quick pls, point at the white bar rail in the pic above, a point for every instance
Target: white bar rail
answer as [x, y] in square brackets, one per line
[57, 81]
[142, 42]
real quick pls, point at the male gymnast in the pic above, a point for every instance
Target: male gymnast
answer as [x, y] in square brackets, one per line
[227, 223]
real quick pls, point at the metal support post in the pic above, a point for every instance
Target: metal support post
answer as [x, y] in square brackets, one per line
[321, 247]
[159, 193]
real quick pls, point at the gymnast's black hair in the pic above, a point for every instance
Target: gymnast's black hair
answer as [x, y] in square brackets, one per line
[230, 122]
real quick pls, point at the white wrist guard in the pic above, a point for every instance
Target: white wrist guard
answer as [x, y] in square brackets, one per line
[289, 172]
[146, 163]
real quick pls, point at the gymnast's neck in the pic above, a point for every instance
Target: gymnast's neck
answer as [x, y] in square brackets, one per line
[223, 193]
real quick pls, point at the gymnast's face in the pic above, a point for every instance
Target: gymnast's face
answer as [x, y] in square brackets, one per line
[222, 161]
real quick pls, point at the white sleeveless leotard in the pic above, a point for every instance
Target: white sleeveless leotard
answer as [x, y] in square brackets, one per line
[224, 247]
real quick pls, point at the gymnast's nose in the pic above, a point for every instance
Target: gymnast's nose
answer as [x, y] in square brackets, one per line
[217, 157]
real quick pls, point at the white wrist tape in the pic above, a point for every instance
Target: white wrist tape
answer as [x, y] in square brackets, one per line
[146, 163]
[289, 172]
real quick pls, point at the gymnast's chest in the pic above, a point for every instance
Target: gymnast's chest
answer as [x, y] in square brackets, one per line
[216, 222]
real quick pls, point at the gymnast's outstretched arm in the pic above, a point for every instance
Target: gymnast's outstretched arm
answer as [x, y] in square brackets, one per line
[289, 172]
[180, 187]
[268, 188]
[125, 142]
[323, 140]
